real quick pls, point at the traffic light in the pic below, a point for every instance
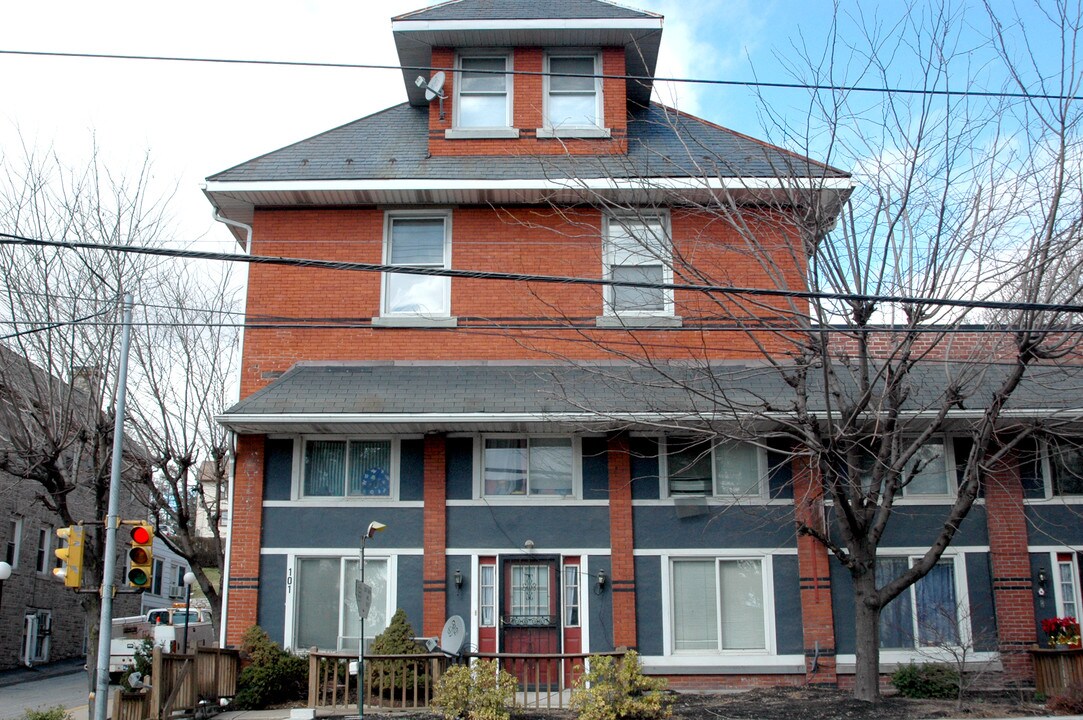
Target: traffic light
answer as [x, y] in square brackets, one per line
[72, 555]
[141, 555]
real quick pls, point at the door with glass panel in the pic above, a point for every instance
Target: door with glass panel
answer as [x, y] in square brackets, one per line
[530, 621]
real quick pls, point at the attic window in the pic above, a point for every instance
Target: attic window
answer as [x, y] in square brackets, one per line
[573, 96]
[482, 105]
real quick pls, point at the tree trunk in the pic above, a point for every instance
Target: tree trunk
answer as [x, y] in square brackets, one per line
[867, 638]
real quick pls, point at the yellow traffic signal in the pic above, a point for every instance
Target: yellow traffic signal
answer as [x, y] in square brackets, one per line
[72, 555]
[141, 556]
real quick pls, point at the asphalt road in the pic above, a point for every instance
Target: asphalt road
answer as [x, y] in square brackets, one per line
[67, 690]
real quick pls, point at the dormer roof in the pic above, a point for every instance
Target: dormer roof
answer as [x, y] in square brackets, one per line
[528, 23]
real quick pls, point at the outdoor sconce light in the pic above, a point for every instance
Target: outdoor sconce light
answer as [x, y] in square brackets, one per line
[601, 581]
[1041, 587]
[458, 580]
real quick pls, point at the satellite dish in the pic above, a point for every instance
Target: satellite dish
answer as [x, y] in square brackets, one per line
[435, 87]
[453, 636]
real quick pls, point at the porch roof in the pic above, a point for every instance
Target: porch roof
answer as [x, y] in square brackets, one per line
[375, 397]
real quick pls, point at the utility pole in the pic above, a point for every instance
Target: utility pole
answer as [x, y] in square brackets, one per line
[112, 520]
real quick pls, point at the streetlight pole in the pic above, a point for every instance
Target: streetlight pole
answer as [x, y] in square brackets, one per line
[373, 528]
[5, 573]
[189, 579]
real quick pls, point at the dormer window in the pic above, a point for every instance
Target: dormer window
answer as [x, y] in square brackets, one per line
[573, 96]
[483, 97]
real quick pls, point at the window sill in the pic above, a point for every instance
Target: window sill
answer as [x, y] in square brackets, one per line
[481, 133]
[638, 321]
[415, 322]
[576, 132]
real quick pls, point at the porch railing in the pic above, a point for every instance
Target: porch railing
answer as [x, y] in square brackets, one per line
[408, 681]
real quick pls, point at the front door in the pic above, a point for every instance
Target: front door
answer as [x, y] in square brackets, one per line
[530, 620]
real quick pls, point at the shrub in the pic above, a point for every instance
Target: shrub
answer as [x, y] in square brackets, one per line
[43, 713]
[614, 689]
[142, 663]
[1069, 702]
[273, 676]
[930, 680]
[480, 692]
[397, 639]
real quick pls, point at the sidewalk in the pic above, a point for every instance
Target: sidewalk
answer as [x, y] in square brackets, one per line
[40, 672]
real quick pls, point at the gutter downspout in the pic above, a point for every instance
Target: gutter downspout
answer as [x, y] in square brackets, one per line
[237, 224]
[229, 547]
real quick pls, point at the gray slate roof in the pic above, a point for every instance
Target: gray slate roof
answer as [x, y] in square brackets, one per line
[524, 10]
[391, 145]
[455, 388]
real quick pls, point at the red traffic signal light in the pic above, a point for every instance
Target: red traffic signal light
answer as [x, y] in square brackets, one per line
[141, 556]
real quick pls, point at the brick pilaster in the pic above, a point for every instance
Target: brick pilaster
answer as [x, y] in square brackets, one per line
[435, 518]
[817, 621]
[1012, 586]
[621, 541]
[246, 526]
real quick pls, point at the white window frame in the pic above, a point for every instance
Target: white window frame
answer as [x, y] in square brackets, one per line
[300, 444]
[290, 626]
[666, 261]
[767, 578]
[582, 130]
[1047, 477]
[1058, 586]
[762, 463]
[577, 469]
[487, 601]
[42, 563]
[962, 616]
[571, 575]
[503, 130]
[389, 220]
[950, 479]
[15, 542]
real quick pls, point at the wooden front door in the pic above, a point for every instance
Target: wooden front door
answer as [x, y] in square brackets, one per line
[530, 620]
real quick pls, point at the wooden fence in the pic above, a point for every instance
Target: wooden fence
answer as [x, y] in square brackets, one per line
[1055, 670]
[190, 685]
[408, 681]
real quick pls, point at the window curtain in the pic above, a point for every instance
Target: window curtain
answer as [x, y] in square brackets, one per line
[742, 605]
[689, 466]
[325, 468]
[317, 603]
[376, 622]
[737, 469]
[897, 619]
[505, 466]
[551, 466]
[370, 468]
[695, 606]
[938, 621]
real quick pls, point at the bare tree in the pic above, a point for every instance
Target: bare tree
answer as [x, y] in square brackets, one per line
[959, 202]
[183, 365]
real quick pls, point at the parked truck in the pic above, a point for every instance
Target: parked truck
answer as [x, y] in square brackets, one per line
[165, 627]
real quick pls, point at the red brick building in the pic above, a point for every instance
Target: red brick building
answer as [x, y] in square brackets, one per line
[536, 448]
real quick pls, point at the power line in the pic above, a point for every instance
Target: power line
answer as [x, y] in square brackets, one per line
[728, 290]
[819, 87]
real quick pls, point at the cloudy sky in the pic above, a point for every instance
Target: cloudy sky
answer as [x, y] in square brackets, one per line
[195, 119]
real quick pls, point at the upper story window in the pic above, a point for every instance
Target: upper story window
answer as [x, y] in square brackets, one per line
[422, 241]
[1066, 468]
[638, 249]
[697, 467]
[14, 542]
[573, 93]
[535, 466]
[929, 473]
[347, 468]
[483, 97]
[44, 534]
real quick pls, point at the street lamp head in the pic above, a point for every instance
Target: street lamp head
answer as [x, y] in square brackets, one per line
[374, 527]
[189, 578]
[5, 571]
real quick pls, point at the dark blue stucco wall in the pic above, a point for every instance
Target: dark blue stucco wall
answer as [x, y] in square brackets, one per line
[601, 605]
[408, 588]
[505, 527]
[278, 469]
[271, 614]
[657, 527]
[1054, 523]
[649, 605]
[789, 628]
[340, 527]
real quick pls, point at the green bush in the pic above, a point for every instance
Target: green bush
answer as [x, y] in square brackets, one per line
[42, 713]
[480, 692]
[615, 689]
[930, 680]
[273, 676]
[397, 639]
[1069, 702]
[142, 663]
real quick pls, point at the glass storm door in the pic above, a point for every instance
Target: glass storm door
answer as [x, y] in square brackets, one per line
[530, 622]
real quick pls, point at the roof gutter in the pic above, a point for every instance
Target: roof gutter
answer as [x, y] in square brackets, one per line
[237, 224]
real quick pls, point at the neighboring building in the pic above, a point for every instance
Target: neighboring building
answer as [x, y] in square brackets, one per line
[167, 581]
[41, 620]
[209, 483]
[521, 470]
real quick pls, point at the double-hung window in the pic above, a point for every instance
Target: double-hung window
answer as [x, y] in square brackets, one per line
[536, 466]
[417, 241]
[638, 250]
[347, 468]
[926, 614]
[1067, 578]
[325, 604]
[483, 92]
[44, 534]
[14, 543]
[696, 467]
[1066, 468]
[925, 475]
[719, 604]
[573, 92]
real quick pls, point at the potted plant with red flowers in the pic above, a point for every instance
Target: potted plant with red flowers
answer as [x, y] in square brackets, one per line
[1063, 632]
